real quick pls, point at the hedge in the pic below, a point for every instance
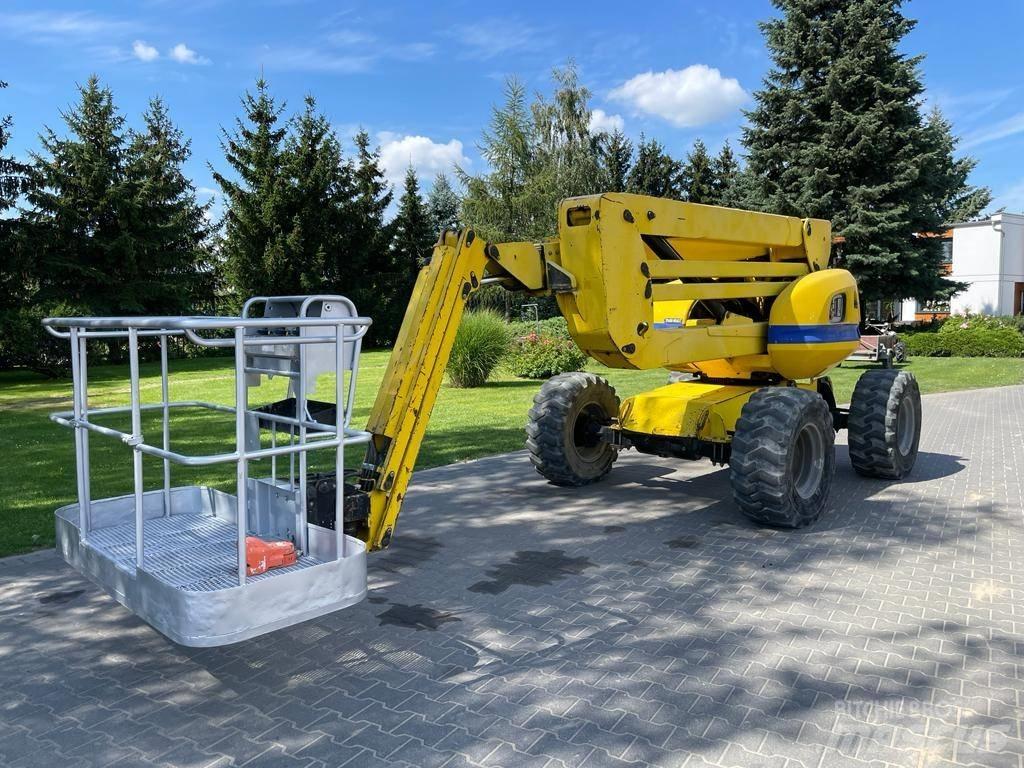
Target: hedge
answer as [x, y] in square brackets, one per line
[972, 341]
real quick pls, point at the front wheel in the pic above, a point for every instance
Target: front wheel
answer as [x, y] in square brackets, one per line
[563, 434]
[783, 457]
[885, 424]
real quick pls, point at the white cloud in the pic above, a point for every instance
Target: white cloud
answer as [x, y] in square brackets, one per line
[426, 156]
[316, 60]
[489, 38]
[144, 51]
[687, 97]
[185, 55]
[51, 25]
[1011, 126]
[602, 122]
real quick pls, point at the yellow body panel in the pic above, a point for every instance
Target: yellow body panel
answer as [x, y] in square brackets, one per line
[701, 410]
[623, 251]
[805, 338]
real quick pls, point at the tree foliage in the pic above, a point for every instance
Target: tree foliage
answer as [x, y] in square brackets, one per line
[413, 238]
[443, 206]
[110, 225]
[837, 132]
[14, 277]
[617, 159]
[655, 172]
[536, 156]
[253, 195]
[170, 229]
[697, 182]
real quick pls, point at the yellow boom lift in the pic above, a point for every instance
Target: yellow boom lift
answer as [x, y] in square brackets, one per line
[741, 307]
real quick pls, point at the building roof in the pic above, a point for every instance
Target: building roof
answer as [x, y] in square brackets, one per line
[1013, 218]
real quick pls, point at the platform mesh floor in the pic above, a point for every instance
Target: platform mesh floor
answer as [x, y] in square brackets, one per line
[197, 553]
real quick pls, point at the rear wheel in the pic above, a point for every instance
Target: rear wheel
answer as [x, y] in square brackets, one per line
[563, 434]
[783, 457]
[885, 424]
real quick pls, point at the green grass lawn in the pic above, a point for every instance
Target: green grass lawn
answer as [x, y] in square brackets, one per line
[38, 468]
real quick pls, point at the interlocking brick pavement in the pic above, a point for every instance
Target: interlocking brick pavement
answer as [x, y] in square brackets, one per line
[641, 621]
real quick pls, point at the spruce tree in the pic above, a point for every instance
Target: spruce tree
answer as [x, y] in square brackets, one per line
[169, 228]
[725, 174]
[655, 172]
[837, 133]
[617, 156]
[16, 263]
[413, 237]
[13, 174]
[14, 269]
[254, 199]
[366, 278]
[696, 177]
[80, 211]
[443, 206]
[959, 200]
[309, 251]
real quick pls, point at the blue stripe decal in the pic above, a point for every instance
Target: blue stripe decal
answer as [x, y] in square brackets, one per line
[813, 334]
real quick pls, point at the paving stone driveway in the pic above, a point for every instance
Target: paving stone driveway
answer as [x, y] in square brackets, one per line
[641, 620]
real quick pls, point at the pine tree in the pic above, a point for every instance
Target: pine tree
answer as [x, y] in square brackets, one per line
[80, 211]
[617, 157]
[443, 206]
[654, 173]
[310, 250]
[725, 175]
[696, 177]
[837, 133]
[169, 228]
[254, 199]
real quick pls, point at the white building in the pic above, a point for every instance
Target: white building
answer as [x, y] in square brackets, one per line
[988, 255]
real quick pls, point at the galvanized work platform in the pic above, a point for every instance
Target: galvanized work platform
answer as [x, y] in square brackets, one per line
[188, 586]
[177, 557]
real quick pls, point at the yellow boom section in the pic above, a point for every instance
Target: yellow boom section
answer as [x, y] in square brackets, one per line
[414, 373]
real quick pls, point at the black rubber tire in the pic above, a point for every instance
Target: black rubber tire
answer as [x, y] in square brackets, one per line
[884, 441]
[562, 433]
[901, 352]
[773, 483]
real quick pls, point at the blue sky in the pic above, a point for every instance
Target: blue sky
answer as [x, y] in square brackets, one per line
[422, 77]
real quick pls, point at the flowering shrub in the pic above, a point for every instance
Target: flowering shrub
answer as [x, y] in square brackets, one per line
[540, 356]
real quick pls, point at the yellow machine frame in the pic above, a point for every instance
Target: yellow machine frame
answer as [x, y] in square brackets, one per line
[741, 299]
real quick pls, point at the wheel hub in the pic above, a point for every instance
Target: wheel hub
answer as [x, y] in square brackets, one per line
[808, 460]
[906, 426]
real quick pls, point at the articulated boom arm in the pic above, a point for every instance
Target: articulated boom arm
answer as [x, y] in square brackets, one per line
[459, 266]
[643, 283]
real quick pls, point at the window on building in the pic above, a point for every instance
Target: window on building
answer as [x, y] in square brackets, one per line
[933, 308]
[947, 251]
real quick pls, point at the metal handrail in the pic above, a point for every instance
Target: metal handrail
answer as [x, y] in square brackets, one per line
[346, 330]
